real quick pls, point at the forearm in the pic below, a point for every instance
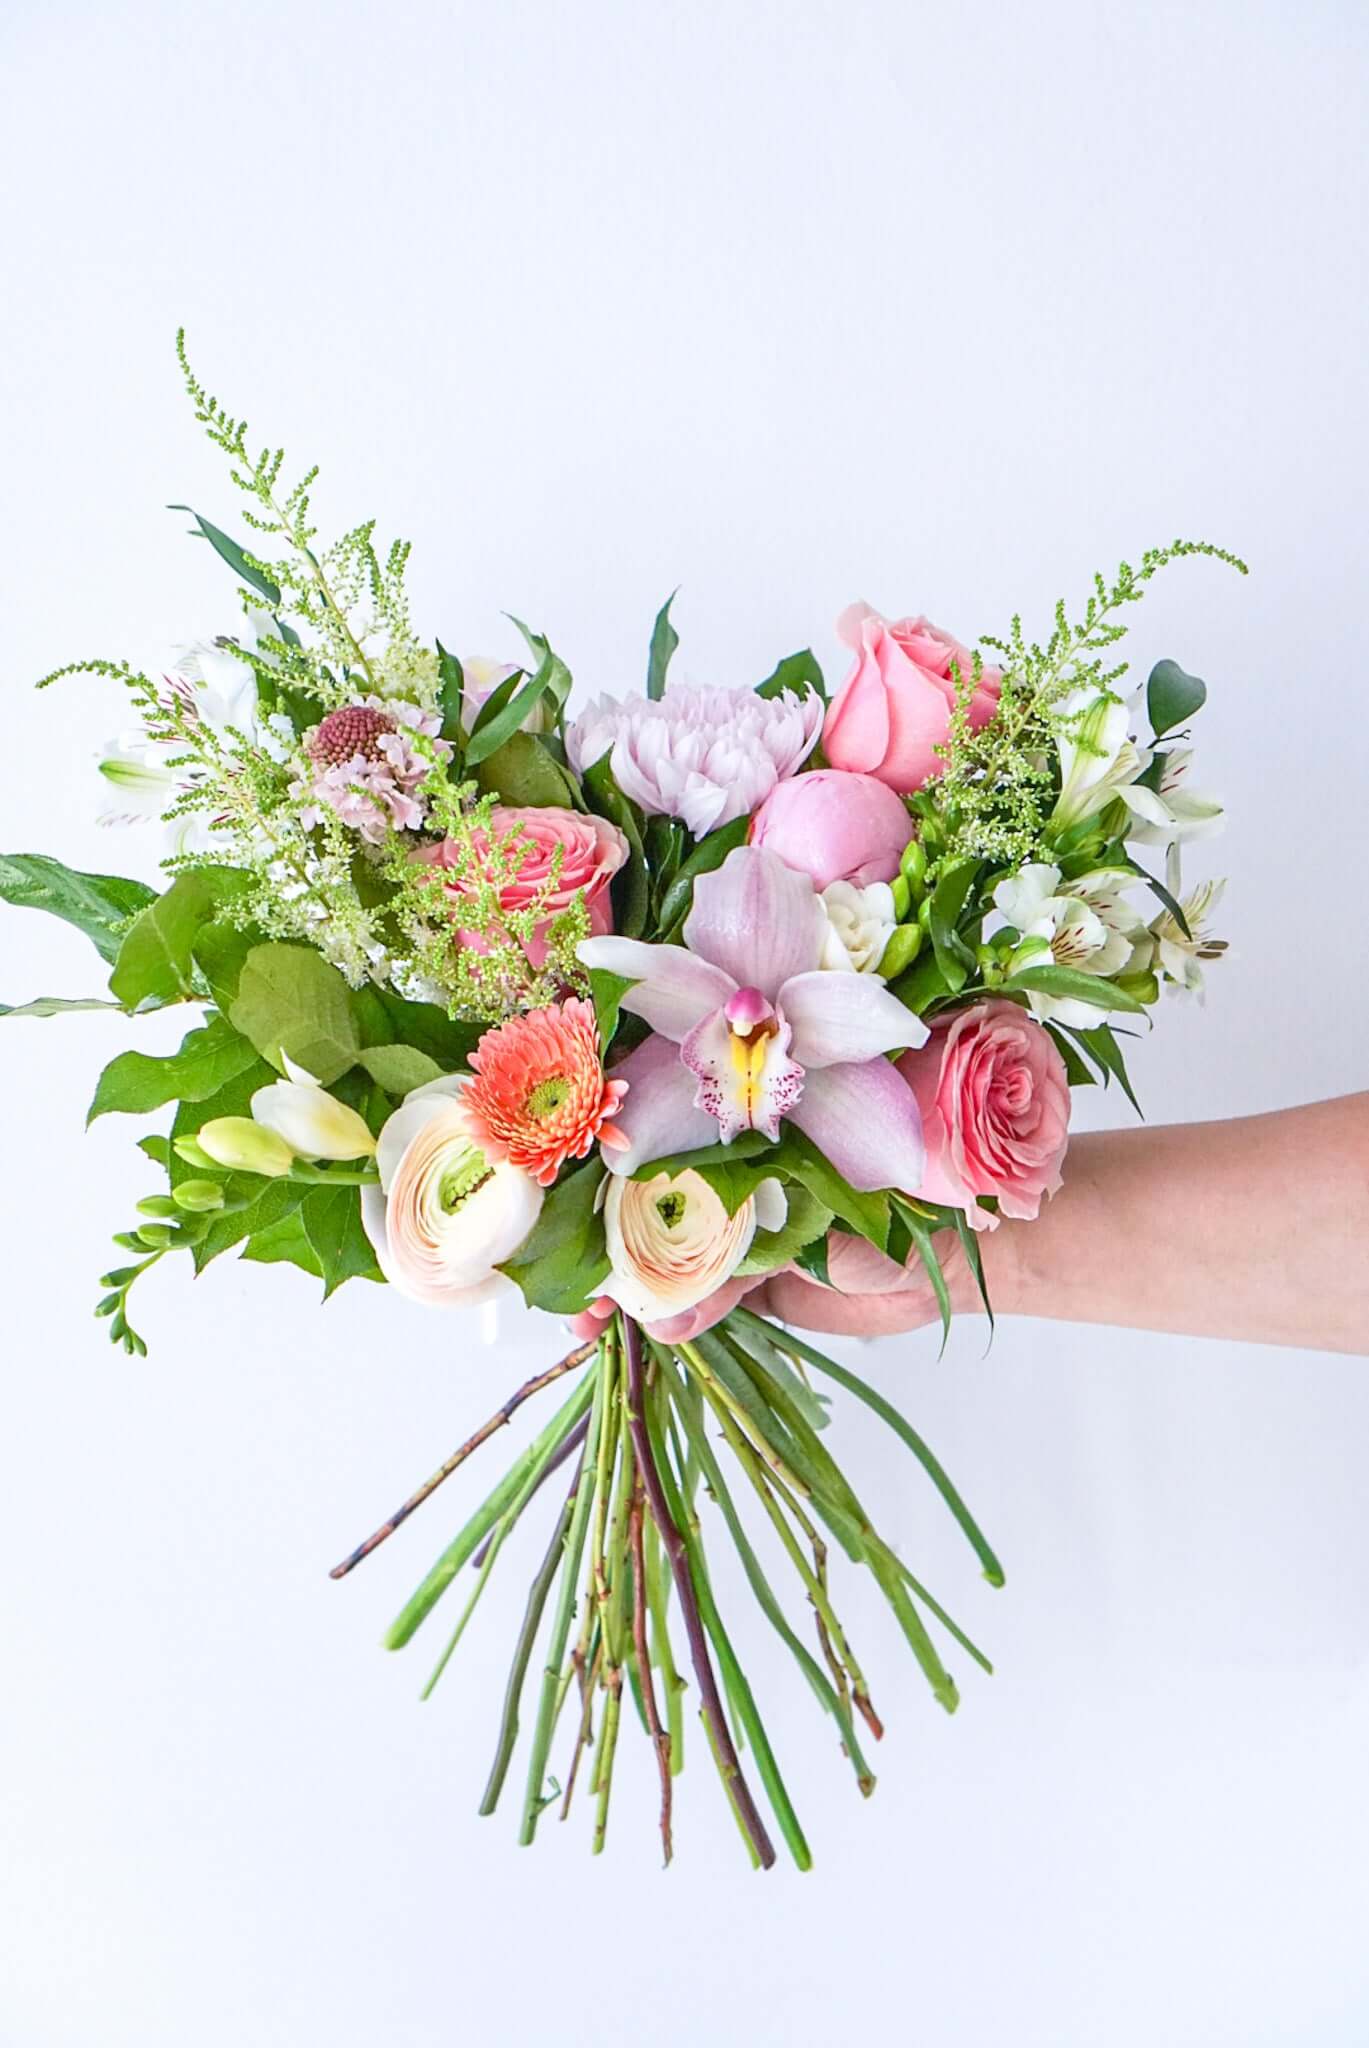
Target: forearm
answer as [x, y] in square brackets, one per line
[1255, 1229]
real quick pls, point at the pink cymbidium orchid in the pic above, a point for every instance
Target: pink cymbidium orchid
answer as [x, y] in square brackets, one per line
[749, 1030]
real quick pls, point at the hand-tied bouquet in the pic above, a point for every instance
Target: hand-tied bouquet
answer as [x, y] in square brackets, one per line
[631, 1010]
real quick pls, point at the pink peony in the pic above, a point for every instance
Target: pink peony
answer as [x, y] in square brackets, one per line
[894, 709]
[995, 1103]
[834, 827]
[592, 851]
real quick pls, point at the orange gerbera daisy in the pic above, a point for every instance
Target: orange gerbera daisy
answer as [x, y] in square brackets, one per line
[540, 1095]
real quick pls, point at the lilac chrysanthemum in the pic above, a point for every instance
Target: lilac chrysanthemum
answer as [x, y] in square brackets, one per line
[365, 769]
[705, 755]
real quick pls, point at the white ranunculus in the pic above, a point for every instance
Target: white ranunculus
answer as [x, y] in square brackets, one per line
[860, 923]
[671, 1242]
[444, 1215]
[1086, 924]
[313, 1123]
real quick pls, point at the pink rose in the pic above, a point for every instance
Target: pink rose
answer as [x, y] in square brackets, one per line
[834, 827]
[995, 1103]
[592, 851]
[894, 709]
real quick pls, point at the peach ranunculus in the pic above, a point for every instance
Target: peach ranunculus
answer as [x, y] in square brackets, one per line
[444, 1214]
[671, 1242]
[995, 1103]
[592, 851]
[894, 709]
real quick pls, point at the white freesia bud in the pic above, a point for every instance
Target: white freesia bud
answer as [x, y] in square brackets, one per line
[313, 1123]
[671, 1242]
[245, 1146]
[860, 923]
[444, 1215]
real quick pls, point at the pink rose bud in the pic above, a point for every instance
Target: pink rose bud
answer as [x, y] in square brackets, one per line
[834, 827]
[894, 709]
[995, 1103]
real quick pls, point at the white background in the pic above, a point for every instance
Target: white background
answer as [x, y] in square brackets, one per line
[789, 305]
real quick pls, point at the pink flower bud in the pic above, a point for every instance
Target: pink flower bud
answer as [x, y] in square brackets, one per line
[835, 827]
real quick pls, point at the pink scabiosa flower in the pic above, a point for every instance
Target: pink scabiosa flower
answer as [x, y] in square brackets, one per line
[539, 1096]
[748, 1029]
[365, 768]
[705, 755]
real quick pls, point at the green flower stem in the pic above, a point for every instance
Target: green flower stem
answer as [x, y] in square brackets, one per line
[659, 1487]
[525, 1468]
[608, 1744]
[829, 1696]
[538, 1593]
[552, 1693]
[798, 1348]
[657, 1600]
[333, 1176]
[660, 1740]
[491, 1553]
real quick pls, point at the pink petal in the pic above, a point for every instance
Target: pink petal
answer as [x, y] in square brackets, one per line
[836, 1018]
[658, 1115]
[674, 989]
[740, 1099]
[864, 1117]
[757, 919]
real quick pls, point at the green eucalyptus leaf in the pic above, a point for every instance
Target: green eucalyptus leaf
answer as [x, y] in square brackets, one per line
[797, 672]
[1172, 696]
[236, 559]
[560, 1264]
[664, 641]
[291, 1001]
[399, 1068]
[207, 1059]
[101, 906]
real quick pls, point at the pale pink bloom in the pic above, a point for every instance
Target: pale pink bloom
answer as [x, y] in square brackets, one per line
[366, 770]
[705, 755]
[995, 1103]
[671, 1243]
[894, 709]
[591, 851]
[748, 1030]
[445, 1214]
[834, 826]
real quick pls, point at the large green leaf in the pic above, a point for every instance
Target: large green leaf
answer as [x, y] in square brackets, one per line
[207, 1059]
[495, 726]
[385, 1018]
[798, 1157]
[560, 1264]
[797, 672]
[745, 1146]
[290, 1001]
[953, 956]
[332, 1224]
[56, 1006]
[523, 772]
[1173, 696]
[101, 906]
[632, 885]
[228, 548]
[806, 1221]
[664, 641]
[219, 951]
[156, 960]
[274, 1201]
[285, 1242]
[1068, 981]
[399, 1068]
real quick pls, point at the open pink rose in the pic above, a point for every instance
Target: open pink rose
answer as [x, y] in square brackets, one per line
[995, 1103]
[834, 827]
[592, 851]
[894, 709]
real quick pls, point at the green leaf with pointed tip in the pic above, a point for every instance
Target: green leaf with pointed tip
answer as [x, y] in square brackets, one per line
[285, 1242]
[1068, 981]
[56, 1006]
[290, 1001]
[632, 884]
[332, 1224]
[399, 1068]
[806, 1221]
[746, 1145]
[1173, 696]
[453, 681]
[710, 853]
[277, 1200]
[207, 1059]
[522, 772]
[607, 991]
[798, 1158]
[797, 672]
[384, 1018]
[224, 545]
[664, 641]
[560, 1264]
[156, 960]
[101, 906]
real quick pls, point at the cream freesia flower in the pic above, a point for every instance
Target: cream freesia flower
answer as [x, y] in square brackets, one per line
[444, 1216]
[671, 1242]
[313, 1123]
[244, 1146]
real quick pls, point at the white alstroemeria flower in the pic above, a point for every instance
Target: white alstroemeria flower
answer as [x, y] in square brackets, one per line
[1177, 956]
[1099, 761]
[1086, 924]
[671, 1242]
[1188, 814]
[313, 1123]
[860, 923]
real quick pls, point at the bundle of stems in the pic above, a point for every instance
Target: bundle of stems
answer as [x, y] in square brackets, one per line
[646, 1429]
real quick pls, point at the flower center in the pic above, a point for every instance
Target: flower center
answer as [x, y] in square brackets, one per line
[355, 729]
[671, 1208]
[547, 1097]
[459, 1183]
